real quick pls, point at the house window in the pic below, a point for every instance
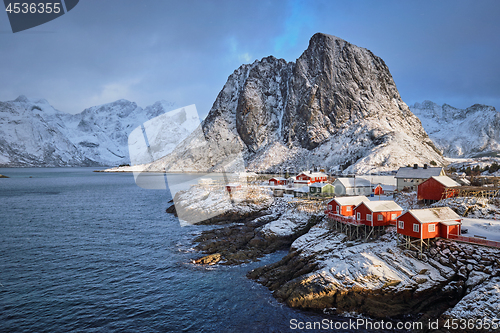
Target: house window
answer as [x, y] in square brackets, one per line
[358, 216]
[432, 227]
[401, 224]
[415, 227]
[338, 209]
[368, 217]
[348, 209]
[380, 217]
[393, 216]
[330, 207]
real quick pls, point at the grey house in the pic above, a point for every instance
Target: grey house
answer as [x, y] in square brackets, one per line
[410, 177]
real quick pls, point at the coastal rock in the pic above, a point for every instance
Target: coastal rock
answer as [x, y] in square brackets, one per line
[482, 303]
[211, 259]
[2, 176]
[214, 205]
[363, 278]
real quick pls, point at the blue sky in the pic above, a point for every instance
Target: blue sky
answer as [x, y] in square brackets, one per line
[183, 51]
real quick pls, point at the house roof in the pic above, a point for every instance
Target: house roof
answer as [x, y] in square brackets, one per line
[319, 185]
[446, 181]
[382, 206]
[278, 178]
[438, 214]
[313, 174]
[419, 173]
[351, 200]
[350, 182]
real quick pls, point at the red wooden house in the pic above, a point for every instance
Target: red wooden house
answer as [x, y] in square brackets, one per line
[377, 213]
[308, 178]
[433, 189]
[384, 189]
[233, 187]
[277, 181]
[344, 205]
[422, 224]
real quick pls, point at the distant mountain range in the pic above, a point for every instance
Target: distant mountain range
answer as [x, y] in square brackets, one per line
[471, 132]
[33, 133]
[336, 106]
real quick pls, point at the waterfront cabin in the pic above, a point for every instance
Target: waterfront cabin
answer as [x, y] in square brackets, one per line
[322, 189]
[352, 186]
[377, 213]
[434, 189]
[302, 192]
[233, 187]
[277, 181]
[423, 224]
[345, 205]
[410, 177]
[309, 177]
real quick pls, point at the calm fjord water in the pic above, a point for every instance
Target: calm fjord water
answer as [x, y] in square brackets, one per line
[93, 252]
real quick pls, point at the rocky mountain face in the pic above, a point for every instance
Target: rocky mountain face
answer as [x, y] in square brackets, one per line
[336, 106]
[33, 133]
[470, 132]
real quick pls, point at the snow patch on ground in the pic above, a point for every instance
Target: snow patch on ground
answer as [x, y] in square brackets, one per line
[481, 303]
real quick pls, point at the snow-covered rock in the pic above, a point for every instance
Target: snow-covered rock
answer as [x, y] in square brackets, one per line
[481, 303]
[213, 203]
[461, 132]
[337, 105]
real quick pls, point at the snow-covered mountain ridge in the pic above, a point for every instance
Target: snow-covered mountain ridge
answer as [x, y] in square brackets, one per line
[336, 106]
[33, 133]
[461, 132]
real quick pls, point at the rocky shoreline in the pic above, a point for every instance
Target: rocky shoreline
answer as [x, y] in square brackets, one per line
[326, 271]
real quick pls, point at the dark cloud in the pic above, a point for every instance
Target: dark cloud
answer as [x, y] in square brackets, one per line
[144, 51]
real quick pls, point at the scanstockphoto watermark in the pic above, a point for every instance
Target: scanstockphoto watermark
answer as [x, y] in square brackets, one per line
[354, 324]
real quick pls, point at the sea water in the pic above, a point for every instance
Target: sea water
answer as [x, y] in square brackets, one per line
[92, 252]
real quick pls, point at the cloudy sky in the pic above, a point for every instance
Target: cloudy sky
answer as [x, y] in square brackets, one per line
[183, 51]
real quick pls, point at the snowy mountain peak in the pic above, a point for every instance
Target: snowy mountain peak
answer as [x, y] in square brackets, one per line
[33, 133]
[479, 126]
[336, 106]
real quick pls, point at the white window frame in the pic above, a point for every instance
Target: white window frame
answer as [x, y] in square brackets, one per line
[416, 227]
[338, 209]
[401, 224]
[330, 207]
[348, 209]
[433, 229]
[394, 216]
[380, 217]
[358, 216]
[368, 217]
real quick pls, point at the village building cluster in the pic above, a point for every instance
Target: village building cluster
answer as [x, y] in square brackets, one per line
[352, 211]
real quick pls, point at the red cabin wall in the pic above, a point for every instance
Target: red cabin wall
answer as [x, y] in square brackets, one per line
[363, 210]
[387, 216]
[408, 220]
[427, 234]
[343, 209]
[430, 189]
